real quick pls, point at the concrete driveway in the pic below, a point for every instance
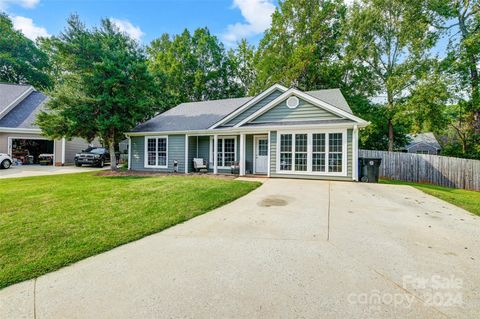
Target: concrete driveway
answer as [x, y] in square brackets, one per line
[37, 170]
[292, 248]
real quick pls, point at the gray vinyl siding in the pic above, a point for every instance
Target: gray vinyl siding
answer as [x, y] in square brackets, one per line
[304, 111]
[192, 151]
[273, 152]
[349, 152]
[273, 161]
[176, 151]
[252, 109]
[249, 154]
[76, 145]
[423, 147]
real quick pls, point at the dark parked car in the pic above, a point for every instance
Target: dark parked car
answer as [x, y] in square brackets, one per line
[95, 156]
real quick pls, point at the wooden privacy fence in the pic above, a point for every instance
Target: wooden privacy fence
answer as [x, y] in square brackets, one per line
[433, 169]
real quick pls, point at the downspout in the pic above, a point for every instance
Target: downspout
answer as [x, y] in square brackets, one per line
[355, 153]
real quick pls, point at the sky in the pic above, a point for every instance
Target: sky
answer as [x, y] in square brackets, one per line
[145, 20]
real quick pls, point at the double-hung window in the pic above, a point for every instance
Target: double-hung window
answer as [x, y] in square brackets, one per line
[318, 152]
[301, 153]
[226, 151]
[286, 151]
[156, 149]
[313, 152]
[335, 151]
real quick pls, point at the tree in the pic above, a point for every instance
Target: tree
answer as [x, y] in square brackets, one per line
[242, 63]
[21, 61]
[303, 45]
[105, 88]
[462, 26]
[392, 39]
[192, 68]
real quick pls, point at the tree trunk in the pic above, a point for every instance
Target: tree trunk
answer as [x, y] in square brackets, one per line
[474, 77]
[113, 157]
[390, 136]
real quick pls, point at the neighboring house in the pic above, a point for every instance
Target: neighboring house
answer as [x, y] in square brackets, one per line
[20, 137]
[423, 143]
[280, 133]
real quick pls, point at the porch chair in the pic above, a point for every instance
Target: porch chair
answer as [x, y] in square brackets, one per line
[199, 164]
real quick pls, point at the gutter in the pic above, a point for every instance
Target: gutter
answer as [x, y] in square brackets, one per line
[238, 130]
[20, 130]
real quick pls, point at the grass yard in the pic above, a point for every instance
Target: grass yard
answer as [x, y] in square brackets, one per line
[468, 200]
[48, 222]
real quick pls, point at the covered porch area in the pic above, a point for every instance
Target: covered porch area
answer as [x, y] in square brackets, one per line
[242, 154]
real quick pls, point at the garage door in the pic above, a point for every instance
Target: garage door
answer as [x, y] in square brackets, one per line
[32, 151]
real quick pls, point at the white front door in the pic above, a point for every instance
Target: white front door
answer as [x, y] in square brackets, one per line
[261, 154]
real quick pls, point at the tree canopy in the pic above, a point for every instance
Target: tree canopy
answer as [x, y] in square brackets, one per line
[192, 67]
[105, 87]
[382, 54]
[21, 61]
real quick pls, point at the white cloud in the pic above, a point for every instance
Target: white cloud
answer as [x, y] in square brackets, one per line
[127, 27]
[28, 28]
[257, 14]
[23, 3]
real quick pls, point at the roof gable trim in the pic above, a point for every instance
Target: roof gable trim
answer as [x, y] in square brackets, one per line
[15, 102]
[253, 101]
[313, 100]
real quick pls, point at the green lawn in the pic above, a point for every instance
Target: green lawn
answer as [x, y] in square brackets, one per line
[51, 221]
[468, 200]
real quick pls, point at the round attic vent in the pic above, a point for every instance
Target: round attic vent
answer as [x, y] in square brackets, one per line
[292, 102]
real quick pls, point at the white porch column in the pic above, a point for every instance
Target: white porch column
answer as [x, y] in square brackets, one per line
[355, 153]
[129, 159]
[215, 154]
[186, 154]
[63, 150]
[242, 155]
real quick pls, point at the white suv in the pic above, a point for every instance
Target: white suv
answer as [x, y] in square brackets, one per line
[5, 160]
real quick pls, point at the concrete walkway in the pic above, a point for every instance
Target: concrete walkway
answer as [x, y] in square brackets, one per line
[37, 170]
[290, 249]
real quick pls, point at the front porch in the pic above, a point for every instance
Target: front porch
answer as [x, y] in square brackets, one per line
[248, 153]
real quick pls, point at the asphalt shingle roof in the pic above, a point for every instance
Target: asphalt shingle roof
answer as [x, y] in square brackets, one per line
[202, 115]
[10, 92]
[425, 138]
[23, 115]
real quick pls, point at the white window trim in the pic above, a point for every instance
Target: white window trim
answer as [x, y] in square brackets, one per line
[145, 155]
[309, 171]
[222, 137]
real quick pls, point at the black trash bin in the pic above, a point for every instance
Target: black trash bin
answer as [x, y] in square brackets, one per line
[369, 169]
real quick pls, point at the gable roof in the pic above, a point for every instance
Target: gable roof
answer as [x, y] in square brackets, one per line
[209, 114]
[11, 95]
[306, 97]
[423, 138]
[25, 104]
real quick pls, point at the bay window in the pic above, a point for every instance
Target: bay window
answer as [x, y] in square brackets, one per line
[316, 153]
[156, 148]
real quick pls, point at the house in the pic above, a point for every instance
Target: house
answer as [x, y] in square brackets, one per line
[279, 133]
[423, 143]
[21, 138]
